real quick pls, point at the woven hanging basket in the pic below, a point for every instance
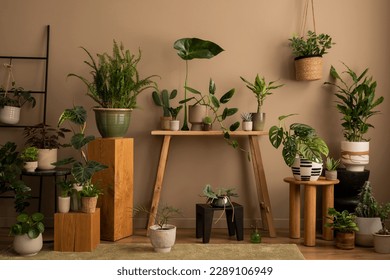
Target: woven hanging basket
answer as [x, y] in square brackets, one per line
[308, 68]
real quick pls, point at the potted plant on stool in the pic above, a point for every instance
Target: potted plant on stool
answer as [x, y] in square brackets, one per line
[28, 233]
[343, 223]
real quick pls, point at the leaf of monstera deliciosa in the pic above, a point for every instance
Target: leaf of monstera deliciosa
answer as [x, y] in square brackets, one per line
[190, 48]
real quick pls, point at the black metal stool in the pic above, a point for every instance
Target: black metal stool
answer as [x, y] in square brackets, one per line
[204, 220]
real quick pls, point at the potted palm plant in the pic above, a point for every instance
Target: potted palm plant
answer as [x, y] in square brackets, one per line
[261, 90]
[29, 155]
[115, 86]
[194, 48]
[302, 148]
[343, 223]
[308, 54]
[367, 216]
[28, 233]
[162, 234]
[81, 170]
[357, 103]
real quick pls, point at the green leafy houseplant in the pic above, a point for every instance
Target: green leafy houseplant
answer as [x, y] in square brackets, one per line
[90, 190]
[220, 193]
[312, 45]
[162, 98]
[29, 154]
[66, 188]
[44, 136]
[331, 164]
[10, 170]
[162, 216]
[19, 99]
[174, 111]
[81, 170]
[299, 140]
[115, 78]
[341, 221]
[356, 102]
[261, 89]
[194, 48]
[384, 212]
[30, 225]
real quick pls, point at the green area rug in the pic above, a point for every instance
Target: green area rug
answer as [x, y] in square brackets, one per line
[144, 251]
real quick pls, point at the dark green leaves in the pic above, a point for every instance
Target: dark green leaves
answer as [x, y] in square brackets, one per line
[312, 45]
[190, 48]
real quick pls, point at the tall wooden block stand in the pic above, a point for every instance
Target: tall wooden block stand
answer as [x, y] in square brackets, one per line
[76, 231]
[116, 204]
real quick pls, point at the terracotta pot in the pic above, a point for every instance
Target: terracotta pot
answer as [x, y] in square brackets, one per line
[88, 204]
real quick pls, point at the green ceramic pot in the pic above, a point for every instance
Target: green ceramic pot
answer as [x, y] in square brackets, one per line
[112, 122]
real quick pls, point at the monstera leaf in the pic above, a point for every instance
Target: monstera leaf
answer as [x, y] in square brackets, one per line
[190, 48]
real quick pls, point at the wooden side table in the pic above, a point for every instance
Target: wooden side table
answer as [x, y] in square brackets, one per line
[257, 163]
[310, 208]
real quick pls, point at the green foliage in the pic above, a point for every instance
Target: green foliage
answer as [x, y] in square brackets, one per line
[207, 120]
[384, 212]
[19, 99]
[299, 140]
[90, 190]
[115, 79]
[221, 192]
[356, 102]
[331, 163]
[313, 45]
[194, 48]
[163, 214]
[66, 188]
[82, 170]
[174, 111]
[214, 105]
[29, 154]
[341, 221]
[261, 89]
[367, 206]
[10, 170]
[162, 99]
[43, 136]
[30, 225]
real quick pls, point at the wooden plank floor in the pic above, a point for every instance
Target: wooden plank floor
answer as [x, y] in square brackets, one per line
[324, 250]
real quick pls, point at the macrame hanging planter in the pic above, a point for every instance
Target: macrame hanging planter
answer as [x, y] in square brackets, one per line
[9, 114]
[308, 67]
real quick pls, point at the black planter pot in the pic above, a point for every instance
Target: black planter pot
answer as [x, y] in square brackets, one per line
[346, 192]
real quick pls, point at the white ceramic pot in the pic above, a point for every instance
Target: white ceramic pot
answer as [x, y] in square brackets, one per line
[247, 126]
[174, 125]
[10, 115]
[46, 157]
[30, 166]
[367, 226]
[162, 239]
[306, 170]
[63, 204]
[355, 155]
[25, 246]
[381, 243]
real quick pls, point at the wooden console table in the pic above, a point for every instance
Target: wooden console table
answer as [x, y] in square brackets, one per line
[257, 163]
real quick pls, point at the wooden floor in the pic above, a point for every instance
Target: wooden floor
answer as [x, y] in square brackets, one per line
[324, 250]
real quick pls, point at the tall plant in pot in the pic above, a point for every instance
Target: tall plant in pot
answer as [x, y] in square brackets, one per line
[189, 49]
[115, 86]
[162, 234]
[302, 149]
[308, 51]
[261, 89]
[357, 103]
[367, 216]
[82, 169]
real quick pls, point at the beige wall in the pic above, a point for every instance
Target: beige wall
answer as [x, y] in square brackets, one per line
[254, 34]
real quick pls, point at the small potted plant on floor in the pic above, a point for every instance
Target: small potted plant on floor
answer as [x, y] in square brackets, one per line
[161, 99]
[331, 165]
[344, 225]
[382, 237]
[308, 54]
[261, 90]
[174, 124]
[115, 86]
[357, 103]
[302, 150]
[247, 123]
[220, 197]
[28, 233]
[162, 235]
[30, 158]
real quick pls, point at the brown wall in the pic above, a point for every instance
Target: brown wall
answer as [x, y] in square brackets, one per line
[254, 34]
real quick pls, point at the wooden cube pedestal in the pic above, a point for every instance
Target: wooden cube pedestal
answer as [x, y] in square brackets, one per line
[76, 231]
[116, 204]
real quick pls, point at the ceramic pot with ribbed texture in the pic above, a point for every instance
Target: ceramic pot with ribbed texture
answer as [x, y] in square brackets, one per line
[10, 115]
[112, 122]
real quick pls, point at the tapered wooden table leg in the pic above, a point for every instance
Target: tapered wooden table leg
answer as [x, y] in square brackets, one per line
[159, 179]
[309, 238]
[295, 211]
[327, 202]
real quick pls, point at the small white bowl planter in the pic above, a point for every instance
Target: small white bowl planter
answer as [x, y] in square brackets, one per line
[162, 239]
[25, 246]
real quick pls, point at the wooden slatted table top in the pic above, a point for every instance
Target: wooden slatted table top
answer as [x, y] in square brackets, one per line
[207, 133]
